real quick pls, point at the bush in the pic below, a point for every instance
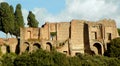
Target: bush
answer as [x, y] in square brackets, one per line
[8, 59]
[54, 58]
[114, 48]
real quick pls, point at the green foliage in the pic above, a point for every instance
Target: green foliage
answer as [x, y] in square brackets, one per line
[118, 31]
[8, 59]
[38, 58]
[0, 51]
[114, 48]
[32, 22]
[13, 20]
[60, 59]
[7, 19]
[54, 58]
[53, 34]
[18, 20]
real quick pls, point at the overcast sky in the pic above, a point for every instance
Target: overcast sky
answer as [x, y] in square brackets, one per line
[66, 10]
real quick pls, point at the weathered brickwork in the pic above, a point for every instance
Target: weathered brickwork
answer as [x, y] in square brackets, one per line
[8, 45]
[77, 36]
[70, 38]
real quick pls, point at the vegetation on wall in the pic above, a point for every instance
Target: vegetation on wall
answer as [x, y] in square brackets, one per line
[53, 34]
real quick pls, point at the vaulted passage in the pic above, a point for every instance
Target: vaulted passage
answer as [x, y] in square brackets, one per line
[36, 46]
[99, 48]
[26, 46]
[48, 46]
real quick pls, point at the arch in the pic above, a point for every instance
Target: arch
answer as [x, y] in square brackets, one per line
[77, 53]
[26, 46]
[36, 46]
[8, 49]
[98, 47]
[48, 46]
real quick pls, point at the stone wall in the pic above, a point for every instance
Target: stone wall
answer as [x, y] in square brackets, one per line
[63, 31]
[77, 36]
[44, 32]
[8, 45]
[101, 33]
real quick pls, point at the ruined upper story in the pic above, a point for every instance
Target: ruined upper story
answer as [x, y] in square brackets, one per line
[103, 29]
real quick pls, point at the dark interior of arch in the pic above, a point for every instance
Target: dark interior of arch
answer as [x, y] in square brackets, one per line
[99, 48]
[37, 45]
[50, 45]
[27, 48]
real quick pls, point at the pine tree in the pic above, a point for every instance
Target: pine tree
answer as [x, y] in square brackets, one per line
[7, 20]
[13, 20]
[18, 20]
[1, 17]
[32, 22]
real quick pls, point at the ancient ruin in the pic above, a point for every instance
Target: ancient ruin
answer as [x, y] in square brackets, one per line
[70, 38]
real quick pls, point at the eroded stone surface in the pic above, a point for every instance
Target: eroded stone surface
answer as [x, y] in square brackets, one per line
[77, 36]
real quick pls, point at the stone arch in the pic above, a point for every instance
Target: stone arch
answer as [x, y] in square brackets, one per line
[48, 46]
[3, 49]
[26, 46]
[8, 49]
[36, 46]
[77, 53]
[97, 48]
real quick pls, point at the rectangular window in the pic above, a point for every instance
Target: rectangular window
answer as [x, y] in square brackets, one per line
[65, 52]
[94, 35]
[109, 36]
[29, 35]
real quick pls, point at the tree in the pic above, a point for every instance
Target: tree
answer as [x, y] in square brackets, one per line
[1, 17]
[118, 31]
[7, 20]
[114, 48]
[32, 22]
[13, 20]
[52, 34]
[18, 20]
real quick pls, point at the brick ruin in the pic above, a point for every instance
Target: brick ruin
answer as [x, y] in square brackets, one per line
[70, 38]
[77, 36]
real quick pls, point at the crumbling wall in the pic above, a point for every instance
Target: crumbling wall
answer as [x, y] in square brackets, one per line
[63, 31]
[77, 37]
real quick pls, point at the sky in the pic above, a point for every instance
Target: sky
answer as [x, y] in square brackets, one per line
[66, 10]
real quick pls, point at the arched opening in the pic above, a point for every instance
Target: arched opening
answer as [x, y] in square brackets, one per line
[3, 49]
[26, 46]
[92, 53]
[36, 46]
[99, 48]
[8, 49]
[48, 46]
[77, 53]
[108, 45]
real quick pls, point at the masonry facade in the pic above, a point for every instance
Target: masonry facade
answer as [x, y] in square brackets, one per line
[71, 38]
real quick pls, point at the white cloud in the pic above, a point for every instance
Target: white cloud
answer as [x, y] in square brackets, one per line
[2, 1]
[82, 9]
[91, 9]
[25, 14]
